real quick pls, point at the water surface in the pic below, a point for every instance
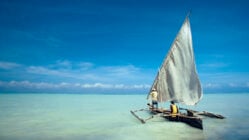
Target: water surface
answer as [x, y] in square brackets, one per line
[107, 117]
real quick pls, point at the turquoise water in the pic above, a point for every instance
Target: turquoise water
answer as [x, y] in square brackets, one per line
[107, 117]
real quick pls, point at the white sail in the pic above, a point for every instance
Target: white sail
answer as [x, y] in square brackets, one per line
[177, 79]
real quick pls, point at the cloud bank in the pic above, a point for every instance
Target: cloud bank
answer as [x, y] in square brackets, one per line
[81, 77]
[86, 77]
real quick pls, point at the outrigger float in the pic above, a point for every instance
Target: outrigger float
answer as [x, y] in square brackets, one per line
[177, 80]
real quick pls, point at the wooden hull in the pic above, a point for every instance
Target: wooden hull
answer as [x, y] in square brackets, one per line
[190, 120]
[193, 121]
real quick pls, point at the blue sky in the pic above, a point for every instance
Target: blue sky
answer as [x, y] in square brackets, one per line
[117, 46]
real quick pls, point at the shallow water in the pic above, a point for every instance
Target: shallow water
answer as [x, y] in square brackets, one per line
[107, 117]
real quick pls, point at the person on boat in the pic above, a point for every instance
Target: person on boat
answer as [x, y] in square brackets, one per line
[173, 109]
[153, 95]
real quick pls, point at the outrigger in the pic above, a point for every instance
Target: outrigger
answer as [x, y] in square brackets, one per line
[191, 117]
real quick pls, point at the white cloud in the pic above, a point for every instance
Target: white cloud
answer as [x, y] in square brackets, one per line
[45, 85]
[247, 84]
[41, 70]
[28, 84]
[214, 65]
[225, 77]
[63, 64]
[120, 69]
[47, 71]
[8, 65]
[69, 65]
[115, 86]
[86, 72]
[226, 86]
[239, 85]
[79, 76]
[233, 85]
[85, 65]
[211, 85]
[142, 86]
[96, 85]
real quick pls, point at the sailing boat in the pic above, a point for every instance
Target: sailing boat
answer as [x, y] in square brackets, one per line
[177, 80]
